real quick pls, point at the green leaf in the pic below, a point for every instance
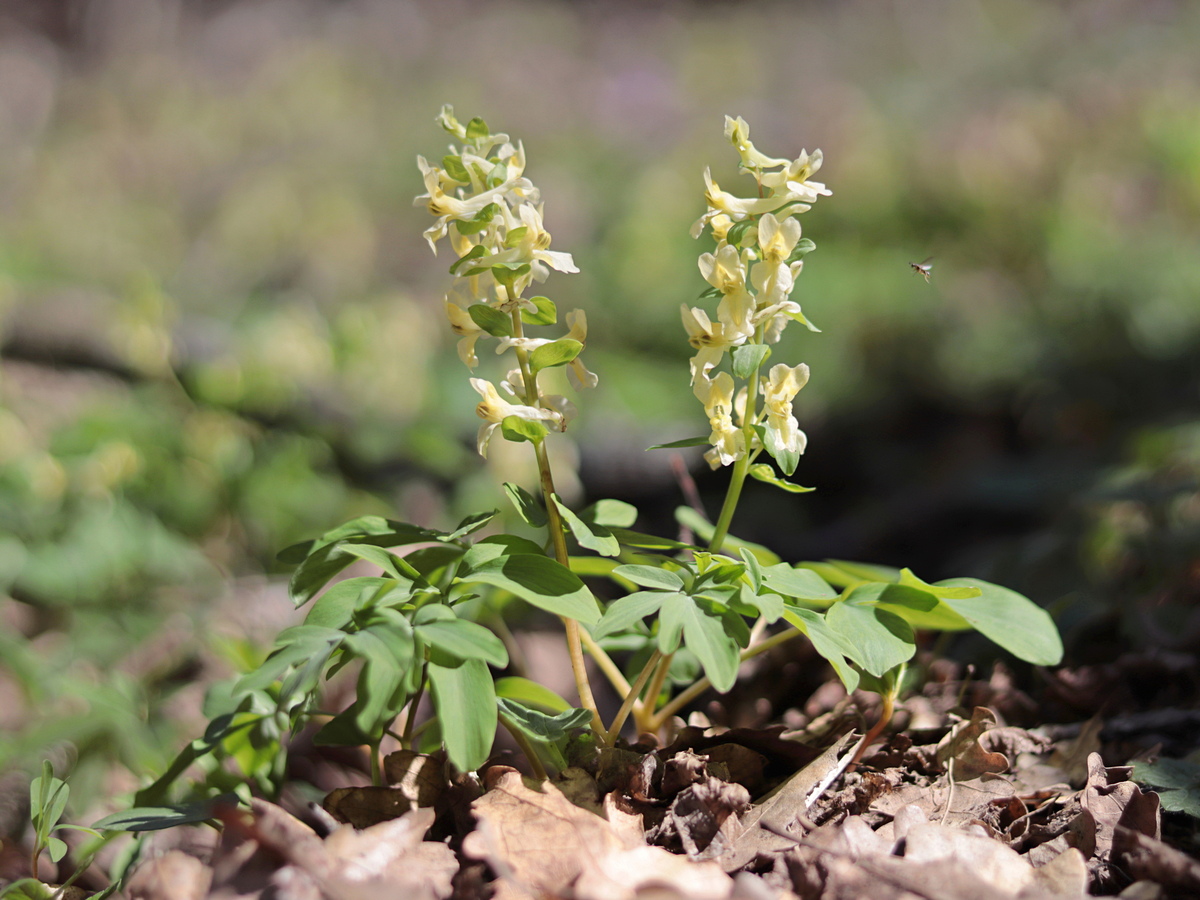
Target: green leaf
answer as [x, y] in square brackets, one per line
[387, 650]
[908, 579]
[700, 441]
[477, 130]
[438, 626]
[1009, 619]
[825, 641]
[342, 731]
[765, 604]
[493, 321]
[47, 800]
[336, 607]
[540, 727]
[689, 518]
[530, 693]
[540, 581]
[516, 429]
[747, 358]
[763, 472]
[528, 507]
[27, 889]
[639, 541]
[632, 608]
[610, 513]
[497, 545]
[873, 638]
[706, 636]
[471, 524]
[514, 236]
[592, 537]
[547, 312]
[156, 818]
[919, 607]
[842, 574]
[737, 231]
[556, 353]
[651, 577]
[56, 848]
[1176, 781]
[465, 700]
[799, 584]
[389, 562]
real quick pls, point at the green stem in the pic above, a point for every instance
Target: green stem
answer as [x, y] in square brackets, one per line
[686, 696]
[558, 538]
[527, 748]
[655, 690]
[732, 494]
[631, 697]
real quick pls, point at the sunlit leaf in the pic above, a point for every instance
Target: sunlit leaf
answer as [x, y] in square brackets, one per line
[465, 700]
[1009, 619]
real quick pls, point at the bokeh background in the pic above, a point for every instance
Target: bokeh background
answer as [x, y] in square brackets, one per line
[221, 331]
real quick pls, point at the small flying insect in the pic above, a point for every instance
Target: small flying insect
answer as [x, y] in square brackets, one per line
[924, 268]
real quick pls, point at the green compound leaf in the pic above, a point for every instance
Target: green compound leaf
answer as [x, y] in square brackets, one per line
[453, 166]
[763, 472]
[610, 513]
[528, 507]
[516, 429]
[700, 441]
[625, 612]
[547, 312]
[873, 638]
[465, 699]
[556, 353]
[591, 537]
[651, 577]
[530, 693]
[747, 358]
[296, 646]
[539, 581]
[387, 648]
[1009, 619]
[438, 626]
[493, 321]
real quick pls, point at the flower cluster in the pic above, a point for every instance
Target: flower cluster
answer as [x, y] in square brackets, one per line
[492, 215]
[753, 272]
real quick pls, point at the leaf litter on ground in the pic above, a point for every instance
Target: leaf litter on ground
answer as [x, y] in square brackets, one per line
[975, 811]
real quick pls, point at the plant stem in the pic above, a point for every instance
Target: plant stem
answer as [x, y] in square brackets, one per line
[686, 696]
[539, 771]
[631, 697]
[558, 538]
[660, 675]
[732, 494]
[605, 663]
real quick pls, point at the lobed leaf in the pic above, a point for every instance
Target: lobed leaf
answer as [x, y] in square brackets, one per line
[591, 537]
[539, 581]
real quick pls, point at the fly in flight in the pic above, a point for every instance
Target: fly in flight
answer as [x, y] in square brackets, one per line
[925, 268]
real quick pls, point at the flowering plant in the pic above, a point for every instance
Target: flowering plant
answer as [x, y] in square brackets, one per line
[689, 613]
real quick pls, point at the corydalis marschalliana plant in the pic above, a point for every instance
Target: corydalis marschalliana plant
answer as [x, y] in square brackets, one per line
[415, 627]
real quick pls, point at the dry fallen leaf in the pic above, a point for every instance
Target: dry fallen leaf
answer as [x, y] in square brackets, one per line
[172, 876]
[540, 844]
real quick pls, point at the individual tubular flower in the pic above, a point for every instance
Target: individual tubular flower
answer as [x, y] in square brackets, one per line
[779, 390]
[494, 409]
[728, 441]
[464, 326]
[710, 338]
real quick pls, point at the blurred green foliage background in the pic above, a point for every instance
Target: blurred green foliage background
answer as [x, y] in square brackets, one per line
[222, 331]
